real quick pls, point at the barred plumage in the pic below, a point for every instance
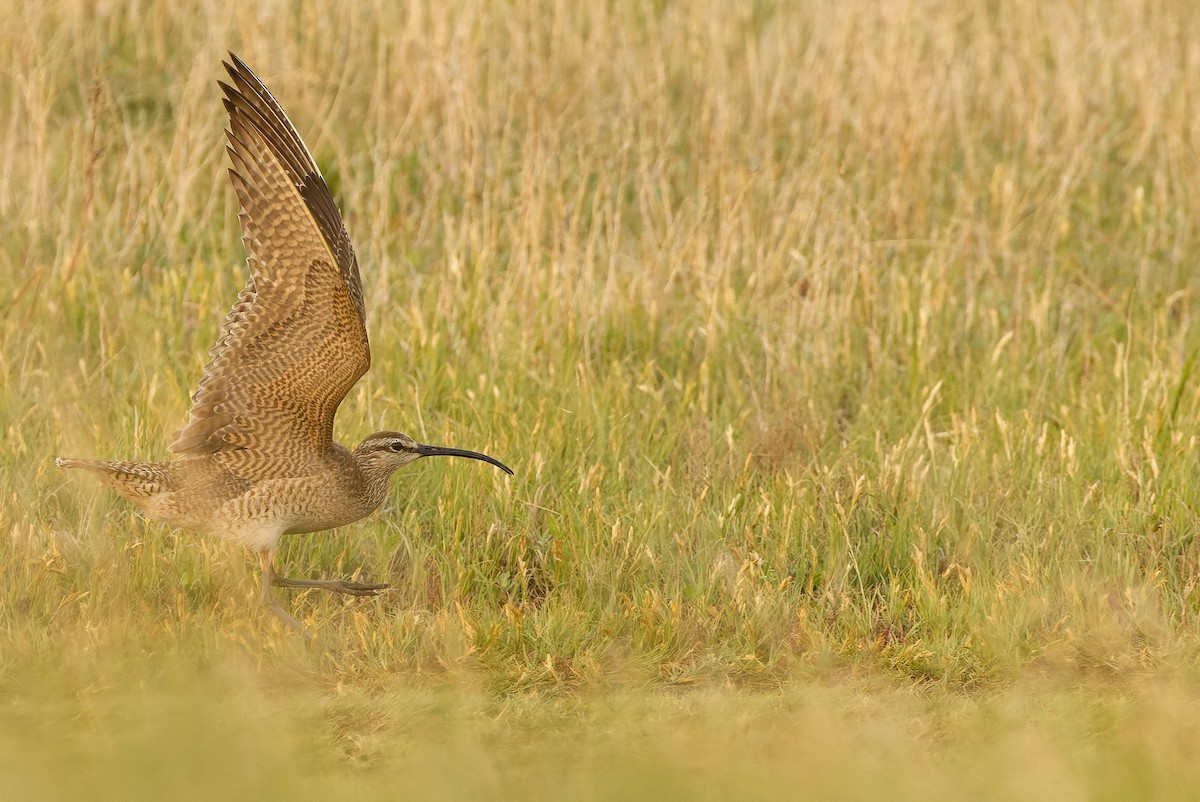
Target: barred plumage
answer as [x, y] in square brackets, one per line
[256, 459]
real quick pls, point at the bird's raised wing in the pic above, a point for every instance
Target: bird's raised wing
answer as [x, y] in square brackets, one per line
[296, 340]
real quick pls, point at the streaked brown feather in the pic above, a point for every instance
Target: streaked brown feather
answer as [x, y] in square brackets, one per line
[256, 459]
[295, 341]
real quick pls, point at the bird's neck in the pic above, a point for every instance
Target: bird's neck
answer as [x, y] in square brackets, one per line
[373, 484]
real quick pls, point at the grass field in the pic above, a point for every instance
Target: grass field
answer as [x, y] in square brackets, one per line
[844, 352]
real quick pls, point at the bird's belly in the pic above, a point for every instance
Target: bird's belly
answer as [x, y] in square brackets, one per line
[275, 507]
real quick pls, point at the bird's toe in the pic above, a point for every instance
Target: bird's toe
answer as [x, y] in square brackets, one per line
[361, 588]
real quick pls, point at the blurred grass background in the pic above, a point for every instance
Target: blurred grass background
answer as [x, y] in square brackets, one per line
[844, 352]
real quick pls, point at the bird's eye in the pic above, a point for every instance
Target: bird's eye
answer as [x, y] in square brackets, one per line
[397, 446]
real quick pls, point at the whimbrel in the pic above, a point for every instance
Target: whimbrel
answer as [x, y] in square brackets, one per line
[256, 459]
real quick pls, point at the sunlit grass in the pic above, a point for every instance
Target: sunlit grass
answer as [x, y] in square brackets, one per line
[843, 352]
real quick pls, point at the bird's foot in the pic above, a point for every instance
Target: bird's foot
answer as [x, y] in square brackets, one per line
[357, 588]
[336, 585]
[288, 618]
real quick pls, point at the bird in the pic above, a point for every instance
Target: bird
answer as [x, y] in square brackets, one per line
[256, 459]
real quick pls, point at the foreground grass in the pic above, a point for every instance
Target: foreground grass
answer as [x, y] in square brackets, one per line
[844, 354]
[238, 729]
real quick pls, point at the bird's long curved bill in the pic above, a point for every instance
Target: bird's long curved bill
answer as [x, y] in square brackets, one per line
[439, 451]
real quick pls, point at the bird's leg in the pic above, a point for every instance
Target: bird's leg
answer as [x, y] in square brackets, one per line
[336, 585]
[266, 559]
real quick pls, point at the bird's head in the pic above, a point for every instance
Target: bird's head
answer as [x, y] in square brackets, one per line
[388, 451]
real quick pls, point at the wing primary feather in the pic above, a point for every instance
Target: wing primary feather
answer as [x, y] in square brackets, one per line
[295, 341]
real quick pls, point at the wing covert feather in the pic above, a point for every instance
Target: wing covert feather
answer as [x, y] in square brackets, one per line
[295, 341]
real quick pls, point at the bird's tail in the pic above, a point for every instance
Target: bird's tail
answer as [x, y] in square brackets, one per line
[136, 481]
[86, 464]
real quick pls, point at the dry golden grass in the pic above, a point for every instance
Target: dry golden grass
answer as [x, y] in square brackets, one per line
[844, 352]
